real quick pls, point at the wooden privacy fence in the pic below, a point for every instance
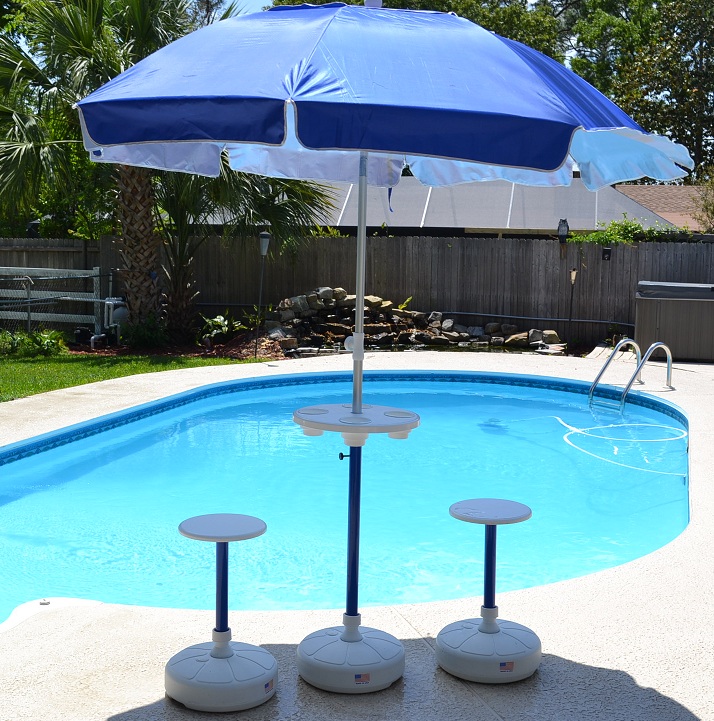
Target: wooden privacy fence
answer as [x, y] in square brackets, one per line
[70, 253]
[526, 281]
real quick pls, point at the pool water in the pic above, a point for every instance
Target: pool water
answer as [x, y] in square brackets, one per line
[97, 517]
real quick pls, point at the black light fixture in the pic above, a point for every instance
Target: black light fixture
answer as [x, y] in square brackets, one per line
[606, 253]
[264, 238]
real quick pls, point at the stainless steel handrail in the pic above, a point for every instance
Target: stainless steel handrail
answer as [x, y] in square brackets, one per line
[624, 342]
[641, 364]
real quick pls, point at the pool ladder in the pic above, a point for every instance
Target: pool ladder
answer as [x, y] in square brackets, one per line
[637, 375]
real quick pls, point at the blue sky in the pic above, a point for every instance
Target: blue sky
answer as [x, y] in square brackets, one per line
[254, 6]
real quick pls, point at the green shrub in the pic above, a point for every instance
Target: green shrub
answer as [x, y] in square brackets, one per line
[630, 231]
[220, 329]
[30, 345]
[150, 333]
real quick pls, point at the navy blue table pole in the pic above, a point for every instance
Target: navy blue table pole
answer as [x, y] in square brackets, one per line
[489, 568]
[221, 586]
[353, 530]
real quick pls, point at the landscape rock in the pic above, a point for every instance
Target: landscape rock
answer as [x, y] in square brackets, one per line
[517, 340]
[325, 317]
[535, 336]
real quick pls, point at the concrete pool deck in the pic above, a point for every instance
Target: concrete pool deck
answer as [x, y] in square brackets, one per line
[630, 643]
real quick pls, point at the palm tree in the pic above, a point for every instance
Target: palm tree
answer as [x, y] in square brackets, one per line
[190, 207]
[64, 49]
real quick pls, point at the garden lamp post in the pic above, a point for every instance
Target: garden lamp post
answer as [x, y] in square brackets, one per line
[264, 245]
[573, 278]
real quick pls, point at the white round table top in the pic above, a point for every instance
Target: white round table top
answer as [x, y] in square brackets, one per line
[490, 511]
[222, 527]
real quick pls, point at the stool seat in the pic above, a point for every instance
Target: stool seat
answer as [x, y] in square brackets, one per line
[490, 511]
[224, 675]
[222, 527]
[489, 650]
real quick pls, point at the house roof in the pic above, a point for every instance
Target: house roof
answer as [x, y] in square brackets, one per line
[492, 207]
[675, 203]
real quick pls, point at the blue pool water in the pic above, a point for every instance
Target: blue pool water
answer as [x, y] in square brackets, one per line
[93, 512]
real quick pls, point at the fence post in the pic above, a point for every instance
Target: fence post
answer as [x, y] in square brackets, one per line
[28, 289]
[96, 283]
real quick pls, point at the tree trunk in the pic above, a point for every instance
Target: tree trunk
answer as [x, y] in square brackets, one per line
[140, 246]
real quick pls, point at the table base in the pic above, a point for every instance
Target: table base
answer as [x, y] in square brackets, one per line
[221, 676]
[506, 652]
[350, 659]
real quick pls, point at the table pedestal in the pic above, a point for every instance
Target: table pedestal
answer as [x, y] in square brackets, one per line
[353, 658]
[489, 650]
[224, 675]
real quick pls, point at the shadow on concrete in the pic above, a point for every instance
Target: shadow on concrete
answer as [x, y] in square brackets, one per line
[561, 690]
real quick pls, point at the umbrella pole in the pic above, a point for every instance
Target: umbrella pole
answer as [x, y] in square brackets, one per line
[358, 337]
[375, 659]
[353, 531]
[357, 360]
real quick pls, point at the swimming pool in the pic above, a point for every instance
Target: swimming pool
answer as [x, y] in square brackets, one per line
[93, 511]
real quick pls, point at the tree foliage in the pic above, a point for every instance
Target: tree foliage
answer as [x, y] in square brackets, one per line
[59, 52]
[704, 214]
[654, 58]
[192, 208]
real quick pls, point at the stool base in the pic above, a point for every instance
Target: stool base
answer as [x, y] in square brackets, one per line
[510, 653]
[349, 659]
[221, 676]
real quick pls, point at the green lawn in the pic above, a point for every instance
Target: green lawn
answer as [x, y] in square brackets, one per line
[27, 376]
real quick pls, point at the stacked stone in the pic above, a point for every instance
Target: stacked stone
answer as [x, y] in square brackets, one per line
[325, 317]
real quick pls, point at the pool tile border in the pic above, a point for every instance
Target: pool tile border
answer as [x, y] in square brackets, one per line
[54, 439]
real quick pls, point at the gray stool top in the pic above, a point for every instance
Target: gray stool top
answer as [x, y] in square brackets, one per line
[490, 511]
[222, 527]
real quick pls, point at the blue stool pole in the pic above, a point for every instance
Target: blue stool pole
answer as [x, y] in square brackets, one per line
[221, 586]
[353, 530]
[489, 568]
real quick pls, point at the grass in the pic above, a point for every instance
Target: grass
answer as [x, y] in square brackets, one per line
[23, 377]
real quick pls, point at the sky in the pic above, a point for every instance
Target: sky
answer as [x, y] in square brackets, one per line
[254, 6]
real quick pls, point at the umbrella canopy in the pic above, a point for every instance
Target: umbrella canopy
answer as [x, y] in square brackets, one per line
[295, 91]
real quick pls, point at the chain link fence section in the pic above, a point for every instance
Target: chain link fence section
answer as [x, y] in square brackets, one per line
[33, 299]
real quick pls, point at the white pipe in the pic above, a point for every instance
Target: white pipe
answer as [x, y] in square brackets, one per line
[426, 207]
[358, 336]
[510, 205]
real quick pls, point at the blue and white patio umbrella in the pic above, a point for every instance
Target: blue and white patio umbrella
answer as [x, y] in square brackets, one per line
[346, 93]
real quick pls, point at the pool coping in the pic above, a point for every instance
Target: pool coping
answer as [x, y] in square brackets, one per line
[622, 643]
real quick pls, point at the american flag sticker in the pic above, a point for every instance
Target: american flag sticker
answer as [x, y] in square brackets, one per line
[361, 679]
[505, 666]
[269, 686]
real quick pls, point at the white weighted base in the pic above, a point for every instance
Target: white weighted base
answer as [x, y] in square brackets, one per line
[488, 650]
[221, 676]
[350, 659]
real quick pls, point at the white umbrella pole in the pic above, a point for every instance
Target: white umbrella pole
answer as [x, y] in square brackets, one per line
[358, 336]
